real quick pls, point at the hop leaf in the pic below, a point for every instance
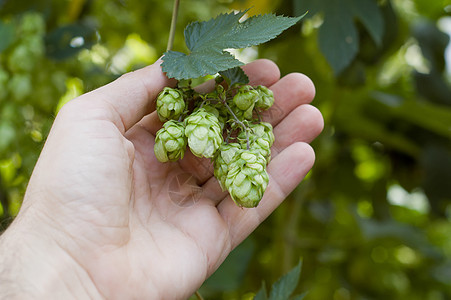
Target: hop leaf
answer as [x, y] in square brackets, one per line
[208, 40]
[235, 76]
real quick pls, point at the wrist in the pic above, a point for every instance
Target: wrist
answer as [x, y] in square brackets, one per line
[33, 265]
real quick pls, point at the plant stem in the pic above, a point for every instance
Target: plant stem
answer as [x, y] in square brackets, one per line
[173, 24]
[258, 115]
[247, 140]
[238, 121]
[199, 296]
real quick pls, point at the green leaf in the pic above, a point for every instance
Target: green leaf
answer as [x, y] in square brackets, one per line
[312, 6]
[212, 34]
[6, 35]
[262, 294]
[208, 40]
[181, 66]
[369, 14]
[235, 76]
[338, 36]
[285, 286]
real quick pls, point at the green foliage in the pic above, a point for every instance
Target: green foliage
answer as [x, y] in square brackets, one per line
[208, 40]
[7, 34]
[372, 219]
[234, 76]
[338, 36]
[283, 288]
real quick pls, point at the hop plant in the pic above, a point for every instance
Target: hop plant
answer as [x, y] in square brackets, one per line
[170, 104]
[266, 97]
[20, 86]
[204, 133]
[224, 124]
[241, 114]
[170, 142]
[222, 160]
[261, 140]
[245, 98]
[240, 159]
[32, 23]
[215, 110]
[247, 178]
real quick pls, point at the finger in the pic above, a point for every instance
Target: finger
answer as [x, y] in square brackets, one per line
[262, 72]
[128, 99]
[289, 92]
[303, 124]
[286, 171]
[143, 143]
[151, 123]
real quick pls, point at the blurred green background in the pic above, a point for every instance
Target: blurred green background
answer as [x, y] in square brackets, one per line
[371, 221]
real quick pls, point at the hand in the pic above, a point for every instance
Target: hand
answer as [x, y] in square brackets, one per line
[102, 217]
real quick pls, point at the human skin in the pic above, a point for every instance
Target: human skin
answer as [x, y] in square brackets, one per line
[98, 221]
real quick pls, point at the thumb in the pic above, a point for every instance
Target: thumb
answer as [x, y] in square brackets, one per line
[130, 97]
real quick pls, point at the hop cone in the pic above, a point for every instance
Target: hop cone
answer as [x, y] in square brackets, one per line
[218, 111]
[261, 138]
[204, 133]
[170, 104]
[245, 98]
[170, 142]
[247, 178]
[266, 99]
[241, 114]
[222, 160]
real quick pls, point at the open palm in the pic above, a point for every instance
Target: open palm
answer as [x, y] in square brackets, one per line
[137, 228]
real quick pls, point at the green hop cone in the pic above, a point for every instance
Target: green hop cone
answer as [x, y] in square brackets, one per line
[266, 99]
[31, 24]
[218, 111]
[20, 86]
[21, 59]
[247, 178]
[246, 97]
[222, 160]
[170, 142]
[204, 133]
[261, 138]
[241, 114]
[170, 104]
